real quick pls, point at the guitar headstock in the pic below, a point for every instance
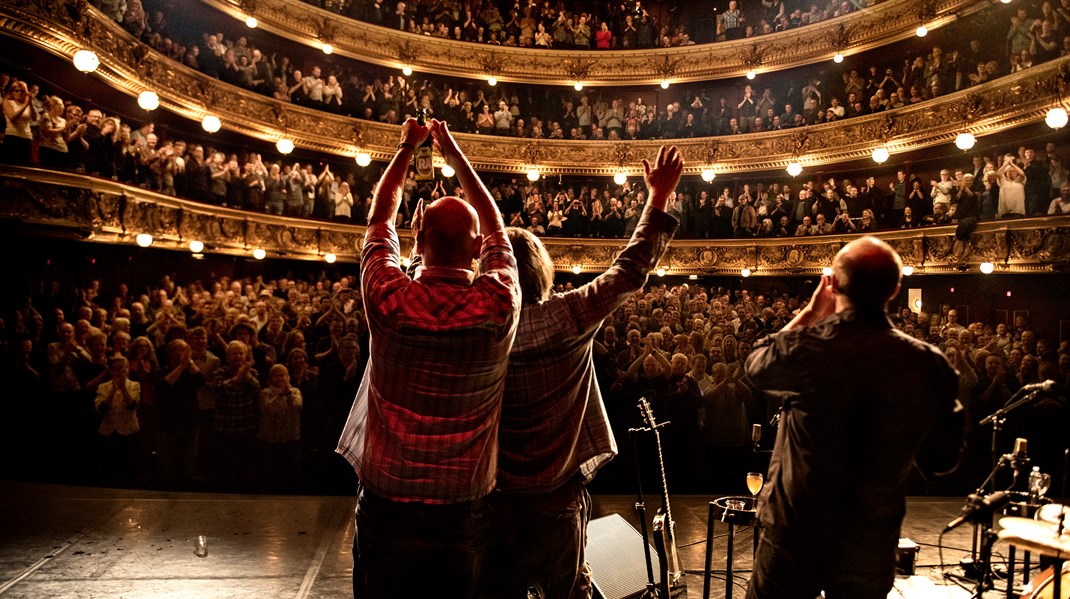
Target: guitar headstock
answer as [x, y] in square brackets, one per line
[647, 413]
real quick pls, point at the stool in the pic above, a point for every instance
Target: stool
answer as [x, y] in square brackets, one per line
[732, 516]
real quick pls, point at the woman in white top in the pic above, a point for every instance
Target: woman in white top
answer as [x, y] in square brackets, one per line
[332, 94]
[20, 113]
[555, 218]
[1011, 188]
[343, 203]
[53, 147]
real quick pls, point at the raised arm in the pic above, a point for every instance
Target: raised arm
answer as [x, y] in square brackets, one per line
[387, 196]
[475, 193]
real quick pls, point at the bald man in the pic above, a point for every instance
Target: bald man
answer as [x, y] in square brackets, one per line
[859, 398]
[423, 431]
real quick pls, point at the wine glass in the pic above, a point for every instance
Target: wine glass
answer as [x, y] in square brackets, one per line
[1039, 482]
[755, 480]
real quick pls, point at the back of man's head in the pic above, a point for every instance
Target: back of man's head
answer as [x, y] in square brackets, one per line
[867, 273]
[534, 265]
[449, 235]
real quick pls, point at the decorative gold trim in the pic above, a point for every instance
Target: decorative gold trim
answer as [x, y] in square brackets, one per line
[104, 211]
[890, 21]
[132, 67]
[108, 212]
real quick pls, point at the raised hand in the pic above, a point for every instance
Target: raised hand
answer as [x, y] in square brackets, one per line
[412, 133]
[663, 177]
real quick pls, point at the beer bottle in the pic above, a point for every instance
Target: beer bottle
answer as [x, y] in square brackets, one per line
[425, 170]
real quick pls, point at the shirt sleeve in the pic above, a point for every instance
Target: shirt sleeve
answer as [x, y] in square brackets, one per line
[380, 266]
[593, 302]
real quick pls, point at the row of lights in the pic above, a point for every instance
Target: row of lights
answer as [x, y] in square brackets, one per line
[985, 267]
[197, 248]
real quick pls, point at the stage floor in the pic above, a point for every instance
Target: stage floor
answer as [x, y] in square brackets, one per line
[78, 542]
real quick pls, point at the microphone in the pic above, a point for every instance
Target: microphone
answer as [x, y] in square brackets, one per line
[756, 433]
[1045, 386]
[978, 507]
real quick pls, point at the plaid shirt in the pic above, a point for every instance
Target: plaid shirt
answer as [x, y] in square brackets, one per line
[424, 424]
[554, 423]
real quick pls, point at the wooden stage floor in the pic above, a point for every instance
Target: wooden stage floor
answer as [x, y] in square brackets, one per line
[85, 543]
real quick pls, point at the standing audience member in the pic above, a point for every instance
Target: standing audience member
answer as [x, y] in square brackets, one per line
[279, 431]
[117, 402]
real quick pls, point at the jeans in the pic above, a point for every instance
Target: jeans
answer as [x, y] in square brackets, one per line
[539, 540]
[417, 550]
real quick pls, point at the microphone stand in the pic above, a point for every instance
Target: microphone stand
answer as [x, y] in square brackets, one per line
[640, 509]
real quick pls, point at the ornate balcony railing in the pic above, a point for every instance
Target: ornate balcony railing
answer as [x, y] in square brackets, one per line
[63, 28]
[103, 211]
[885, 23]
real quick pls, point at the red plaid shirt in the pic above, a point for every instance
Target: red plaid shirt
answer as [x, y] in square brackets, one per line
[554, 423]
[424, 423]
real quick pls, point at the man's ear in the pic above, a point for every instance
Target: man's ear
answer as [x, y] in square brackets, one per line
[477, 246]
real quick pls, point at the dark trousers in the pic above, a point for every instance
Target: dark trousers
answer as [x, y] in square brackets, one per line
[539, 540]
[417, 550]
[797, 568]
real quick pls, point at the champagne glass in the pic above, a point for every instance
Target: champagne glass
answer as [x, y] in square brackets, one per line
[755, 480]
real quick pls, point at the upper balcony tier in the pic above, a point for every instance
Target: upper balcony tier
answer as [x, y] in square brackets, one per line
[874, 27]
[63, 28]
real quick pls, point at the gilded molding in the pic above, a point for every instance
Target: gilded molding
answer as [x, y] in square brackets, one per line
[103, 211]
[887, 22]
[132, 67]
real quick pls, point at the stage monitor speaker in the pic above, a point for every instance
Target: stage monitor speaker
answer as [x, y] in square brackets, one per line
[614, 552]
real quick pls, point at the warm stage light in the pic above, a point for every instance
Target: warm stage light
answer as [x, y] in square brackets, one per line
[921, 31]
[708, 175]
[148, 100]
[988, 268]
[492, 81]
[86, 61]
[284, 145]
[745, 272]
[794, 168]
[908, 270]
[251, 22]
[330, 258]
[965, 141]
[881, 155]
[143, 240]
[620, 178]
[837, 58]
[447, 171]
[660, 271]
[259, 253]
[664, 84]
[576, 269]
[1056, 118]
[578, 87]
[533, 175]
[406, 71]
[751, 74]
[827, 271]
[196, 246]
[328, 49]
[211, 123]
[363, 159]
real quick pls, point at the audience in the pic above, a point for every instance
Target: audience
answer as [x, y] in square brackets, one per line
[259, 371]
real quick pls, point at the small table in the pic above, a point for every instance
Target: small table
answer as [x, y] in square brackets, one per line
[733, 510]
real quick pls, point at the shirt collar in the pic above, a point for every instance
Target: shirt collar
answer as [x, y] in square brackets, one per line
[444, 274]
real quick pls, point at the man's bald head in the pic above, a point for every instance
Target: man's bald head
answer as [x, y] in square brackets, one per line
[449, 234]
[866, 272]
